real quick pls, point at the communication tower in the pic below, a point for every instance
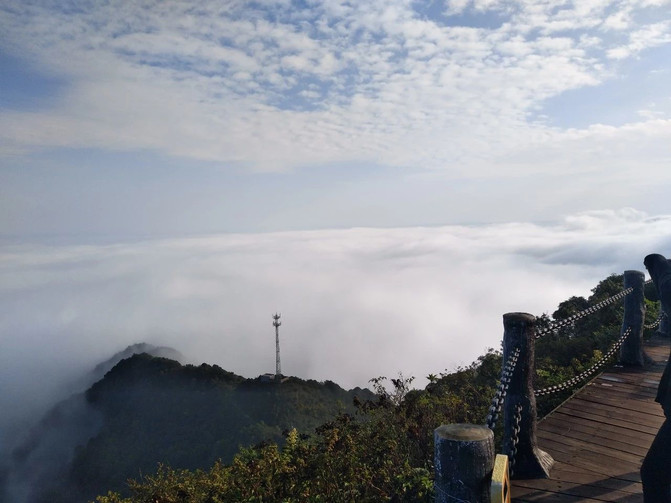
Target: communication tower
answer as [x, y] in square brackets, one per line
[276, 324]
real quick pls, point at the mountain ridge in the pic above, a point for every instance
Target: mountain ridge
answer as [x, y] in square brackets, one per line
[150, 409]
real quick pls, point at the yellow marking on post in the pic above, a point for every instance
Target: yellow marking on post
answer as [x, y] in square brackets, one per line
[500, 489]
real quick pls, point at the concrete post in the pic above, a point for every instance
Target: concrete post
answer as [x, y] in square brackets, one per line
[631, 351]
[464, 461]
[529, 461]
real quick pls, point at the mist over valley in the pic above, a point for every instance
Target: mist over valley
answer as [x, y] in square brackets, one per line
[355, 304]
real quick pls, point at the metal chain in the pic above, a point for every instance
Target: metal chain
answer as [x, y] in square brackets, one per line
[509, 368]
[448, 496]
[514, 439]
[590, 310]
[585, 374]
[656, 323]
[501, 390]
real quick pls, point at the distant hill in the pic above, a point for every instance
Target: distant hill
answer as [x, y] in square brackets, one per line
[102, 368]
[43, 452]
[148, 410]
[99, 371]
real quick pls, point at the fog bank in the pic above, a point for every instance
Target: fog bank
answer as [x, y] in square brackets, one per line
[355, 303]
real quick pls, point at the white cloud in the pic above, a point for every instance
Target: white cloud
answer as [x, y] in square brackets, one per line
[618, 21]
[355, 303]
[648, 114]
[650, 36]
[453, 7]
[228, 83]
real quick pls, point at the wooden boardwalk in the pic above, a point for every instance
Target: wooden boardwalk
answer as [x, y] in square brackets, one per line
[600, 436]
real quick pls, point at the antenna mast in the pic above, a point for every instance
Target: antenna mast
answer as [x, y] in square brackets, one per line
[276, 324]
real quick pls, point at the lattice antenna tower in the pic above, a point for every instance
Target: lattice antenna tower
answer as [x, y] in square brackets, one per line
[276, 324]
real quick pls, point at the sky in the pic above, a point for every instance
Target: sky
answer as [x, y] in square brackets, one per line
[129, 118]
[392, 176]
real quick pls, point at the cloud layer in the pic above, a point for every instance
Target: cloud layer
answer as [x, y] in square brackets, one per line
[275, 86]
[355, 303]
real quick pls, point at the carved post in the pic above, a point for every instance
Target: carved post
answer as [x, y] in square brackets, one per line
[530, 461]
[631, 351]
[463, 460]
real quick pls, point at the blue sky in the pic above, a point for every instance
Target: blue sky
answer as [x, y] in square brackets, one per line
[144, 118]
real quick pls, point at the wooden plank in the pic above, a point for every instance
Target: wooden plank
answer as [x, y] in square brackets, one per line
[563, 489]
[523, 488]
[554, 497]
[599, 437]
[574, 475]
[568, 418]
[625, 398]
[647, 380]
[614, 381]
[619, 416]
[630, 388]
[617, 412]
[612, 398]
[548, 497]
[557, 424]
[624, 376]
[610, 443]
[616, 479]
[591, 458]
[606, 420]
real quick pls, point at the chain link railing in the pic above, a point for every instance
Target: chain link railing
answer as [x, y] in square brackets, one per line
[446, 496]
[656, 323]
[519, 332]
[585, 374]
[499, 397]
[590, 310]
[514, 439]
[509, 367]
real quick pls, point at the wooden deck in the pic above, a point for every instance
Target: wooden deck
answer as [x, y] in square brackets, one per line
[599, 437]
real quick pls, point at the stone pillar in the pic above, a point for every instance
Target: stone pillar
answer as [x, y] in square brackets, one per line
[464, 460]
[530, 461]
[631, 351]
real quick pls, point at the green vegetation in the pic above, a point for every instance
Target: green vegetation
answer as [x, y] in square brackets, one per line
[154, 410]
[575, 348]
[311, 442]
[382, 453]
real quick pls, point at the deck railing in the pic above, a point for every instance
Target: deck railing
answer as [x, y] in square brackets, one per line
[465, 460]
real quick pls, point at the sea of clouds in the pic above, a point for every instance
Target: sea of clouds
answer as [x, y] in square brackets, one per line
[355, 303]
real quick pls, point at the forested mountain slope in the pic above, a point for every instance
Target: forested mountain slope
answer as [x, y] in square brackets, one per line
[149, 410]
